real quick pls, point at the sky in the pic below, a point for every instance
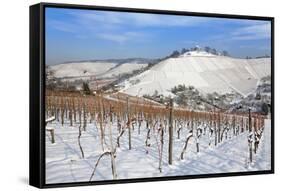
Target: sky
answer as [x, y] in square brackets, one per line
[76, 35]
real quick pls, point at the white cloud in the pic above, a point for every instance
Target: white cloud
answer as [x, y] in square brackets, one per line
[253, 32]
[114, 37]
[95, 17]
[61, 26]
[137, 19]
[258, 30]
[150, 20]
[113, 25]
[122, 37]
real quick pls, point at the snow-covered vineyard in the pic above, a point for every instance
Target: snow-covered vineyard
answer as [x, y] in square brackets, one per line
[91, 138]
[207, 72]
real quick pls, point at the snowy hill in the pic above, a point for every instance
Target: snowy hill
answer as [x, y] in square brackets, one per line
[205, 71]
[124, 68]
[80, 69]
[197, 53]
[97, 68]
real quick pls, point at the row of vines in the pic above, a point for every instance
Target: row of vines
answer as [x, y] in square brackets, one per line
[159, 121]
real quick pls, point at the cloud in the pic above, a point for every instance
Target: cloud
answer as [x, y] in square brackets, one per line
[136, 19]
[258, 30]
[97, 17]
[120, 27]
[150, 20]
[122, 37]
[253, 32]
[113, 37]
[61, 26]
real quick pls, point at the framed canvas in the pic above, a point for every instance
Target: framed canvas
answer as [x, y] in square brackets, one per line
[121, 95]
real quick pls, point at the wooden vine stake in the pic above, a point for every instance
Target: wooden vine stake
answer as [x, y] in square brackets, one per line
[112, 152]
[170, 159]
[250, 137]
[129, 124]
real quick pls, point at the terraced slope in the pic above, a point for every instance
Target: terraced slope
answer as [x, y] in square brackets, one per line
[208, 73]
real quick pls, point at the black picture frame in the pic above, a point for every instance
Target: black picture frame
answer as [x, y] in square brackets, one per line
[37, 94]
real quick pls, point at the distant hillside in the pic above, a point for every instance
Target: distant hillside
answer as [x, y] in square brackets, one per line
[206, 71]
[96, 68]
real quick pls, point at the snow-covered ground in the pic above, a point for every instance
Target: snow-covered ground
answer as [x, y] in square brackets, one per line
[82, 69]
[204, 71]
[124, 68]
[87, 69]
[196, 53]
[64, 162]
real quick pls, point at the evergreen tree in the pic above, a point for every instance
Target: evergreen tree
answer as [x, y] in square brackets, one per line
[214, 51]
[225, 53]
[183, 51]
[175, 54]
[207, 49]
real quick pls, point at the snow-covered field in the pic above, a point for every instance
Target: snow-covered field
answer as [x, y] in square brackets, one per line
[124, 68]
[88, 69]
[64, 162]
[208, 73]
[82, 69]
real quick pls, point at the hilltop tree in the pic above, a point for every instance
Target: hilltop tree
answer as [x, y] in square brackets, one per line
[214, 51]
[193, 48]
[225, 53]
[183, 51]
[175, 54]
[207, 49]
[196, 48]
